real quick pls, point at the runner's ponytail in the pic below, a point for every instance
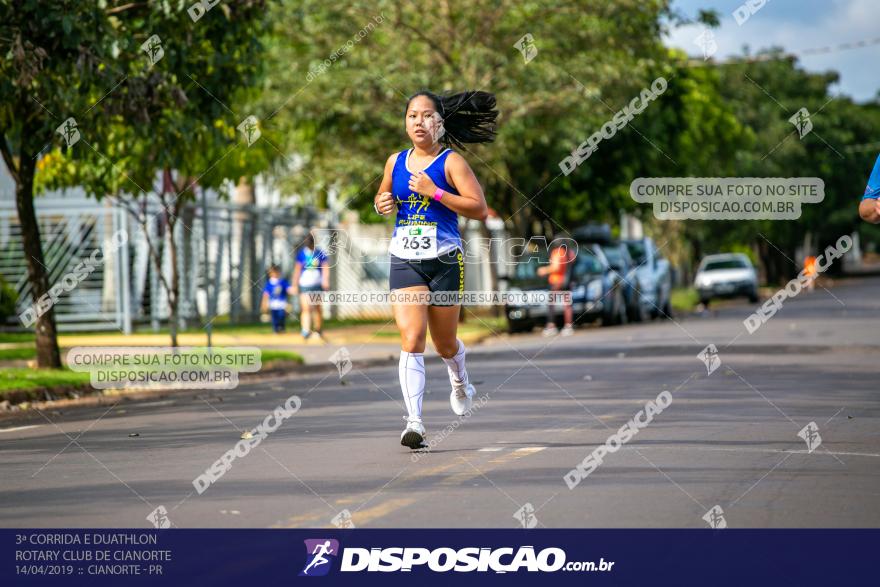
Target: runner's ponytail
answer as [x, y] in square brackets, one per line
[468, 117]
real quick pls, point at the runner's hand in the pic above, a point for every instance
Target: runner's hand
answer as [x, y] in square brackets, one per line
[422, 184]
[384, 203]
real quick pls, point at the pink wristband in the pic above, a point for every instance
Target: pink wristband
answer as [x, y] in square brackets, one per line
[438, 194]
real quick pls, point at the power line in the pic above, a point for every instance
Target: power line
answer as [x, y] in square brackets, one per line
[826, 50]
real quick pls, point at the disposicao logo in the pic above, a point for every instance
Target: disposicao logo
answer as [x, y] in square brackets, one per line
[320, 553]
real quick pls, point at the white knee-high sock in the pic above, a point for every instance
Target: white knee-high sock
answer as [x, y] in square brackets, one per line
[457, 372]
[412, 382]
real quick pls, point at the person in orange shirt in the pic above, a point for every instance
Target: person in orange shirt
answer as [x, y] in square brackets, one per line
[810, 271]
[560, 257]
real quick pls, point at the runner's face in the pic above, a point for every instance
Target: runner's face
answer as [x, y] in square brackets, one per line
[423, 125]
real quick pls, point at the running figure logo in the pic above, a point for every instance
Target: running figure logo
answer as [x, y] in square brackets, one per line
[715, 518]
[706, 42]
[69, 131]
[801, 121]
[526, 516]
[810, 435]
[709, 357]
[320, 553]
[526, 46]
[250, 128]
[153, 48]
[159, 518]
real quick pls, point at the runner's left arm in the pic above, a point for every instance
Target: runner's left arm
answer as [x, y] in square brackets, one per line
[470, 203]
[869, 207]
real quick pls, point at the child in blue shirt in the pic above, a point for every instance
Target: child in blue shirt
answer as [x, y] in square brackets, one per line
[275, 298]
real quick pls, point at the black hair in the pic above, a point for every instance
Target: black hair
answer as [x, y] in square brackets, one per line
[468, 117]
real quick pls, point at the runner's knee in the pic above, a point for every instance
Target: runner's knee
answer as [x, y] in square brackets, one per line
[412, 344]
[446, 349]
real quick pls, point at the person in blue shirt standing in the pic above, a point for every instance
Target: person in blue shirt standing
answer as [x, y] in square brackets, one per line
[869, 209]
[311, 274]
[275, 298]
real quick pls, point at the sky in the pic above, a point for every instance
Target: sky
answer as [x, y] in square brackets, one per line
[796, 25]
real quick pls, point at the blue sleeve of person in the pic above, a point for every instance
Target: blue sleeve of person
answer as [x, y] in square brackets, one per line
[872, 190]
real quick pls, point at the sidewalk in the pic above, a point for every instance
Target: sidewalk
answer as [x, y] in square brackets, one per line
[364, 342]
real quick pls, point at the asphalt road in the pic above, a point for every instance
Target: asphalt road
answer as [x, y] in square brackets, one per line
[727, 439]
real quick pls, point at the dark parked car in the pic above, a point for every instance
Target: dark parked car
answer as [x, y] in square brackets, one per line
[618, 257]
[595, 287]
[597, 290]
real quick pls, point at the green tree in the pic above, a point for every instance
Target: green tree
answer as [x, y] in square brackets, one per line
[764, 95]
[151, 90]
[51, 67]
[342, 73]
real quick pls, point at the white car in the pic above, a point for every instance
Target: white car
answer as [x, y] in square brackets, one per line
[726, 276]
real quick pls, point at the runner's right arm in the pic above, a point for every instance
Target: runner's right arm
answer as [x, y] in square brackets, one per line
[383, 202]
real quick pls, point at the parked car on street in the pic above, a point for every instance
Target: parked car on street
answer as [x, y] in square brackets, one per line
[620, 260]
[654, 276]
[618, 257]
[596, 291]
[727, 275]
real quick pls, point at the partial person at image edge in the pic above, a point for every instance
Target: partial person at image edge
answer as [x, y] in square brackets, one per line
[869, 208]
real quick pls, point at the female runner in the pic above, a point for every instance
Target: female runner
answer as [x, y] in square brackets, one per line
[431, 185]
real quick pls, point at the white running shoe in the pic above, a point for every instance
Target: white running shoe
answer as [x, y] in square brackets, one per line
[549, 330]
[413, 436]
[567, 330]
[462, 398]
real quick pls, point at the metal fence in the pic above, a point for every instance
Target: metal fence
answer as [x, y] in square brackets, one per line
[71, 233]
[125, 288]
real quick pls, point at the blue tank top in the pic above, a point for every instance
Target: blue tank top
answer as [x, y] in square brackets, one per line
[417, 210]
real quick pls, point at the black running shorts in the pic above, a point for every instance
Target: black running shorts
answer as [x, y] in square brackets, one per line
[442, 274]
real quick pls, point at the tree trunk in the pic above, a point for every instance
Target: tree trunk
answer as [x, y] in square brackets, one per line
[174, 292]
[171, 223]
[493, 267]
[188, 257]
[46, 333]
[244, 237]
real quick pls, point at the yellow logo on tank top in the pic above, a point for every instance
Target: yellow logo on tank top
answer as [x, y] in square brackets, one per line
[418, 202]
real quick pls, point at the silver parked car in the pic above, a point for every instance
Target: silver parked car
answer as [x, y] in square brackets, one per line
[726, 276]
[654, 276]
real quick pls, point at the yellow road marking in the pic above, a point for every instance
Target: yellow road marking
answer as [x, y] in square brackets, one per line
[304, 520]
[366, 516]
[470, 472]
